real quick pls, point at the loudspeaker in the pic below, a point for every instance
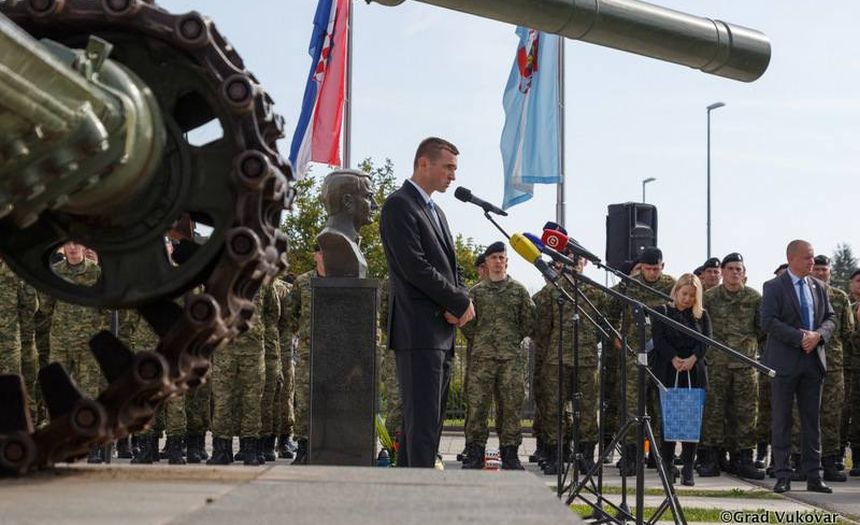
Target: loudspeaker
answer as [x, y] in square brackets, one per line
[630, 228]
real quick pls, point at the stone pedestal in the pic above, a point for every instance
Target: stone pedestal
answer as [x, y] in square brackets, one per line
[343, 384]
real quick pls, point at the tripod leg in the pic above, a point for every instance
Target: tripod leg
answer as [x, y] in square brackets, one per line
[668, 488]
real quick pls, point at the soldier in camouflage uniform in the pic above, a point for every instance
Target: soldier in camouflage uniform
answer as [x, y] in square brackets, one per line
[17, 304]
[300, 324]
[238, 374]
[481, 267]
[274, 376]
[546, 334]
[711, 274]
[852, 368]
[28, 304]
[651, 274]
[140, 337]
[504, 316]
[833, 391]
[70, 327]
[735, 321]
[285, 417]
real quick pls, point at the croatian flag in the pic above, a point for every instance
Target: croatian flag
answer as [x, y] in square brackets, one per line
[317, 136]
[530, 138]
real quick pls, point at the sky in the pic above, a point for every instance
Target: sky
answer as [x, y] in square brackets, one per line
[784, 154]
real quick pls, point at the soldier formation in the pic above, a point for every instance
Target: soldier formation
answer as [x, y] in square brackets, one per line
[258, 388]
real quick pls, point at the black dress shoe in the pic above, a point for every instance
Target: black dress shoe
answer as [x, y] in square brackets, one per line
[816, 485]
[782, 485]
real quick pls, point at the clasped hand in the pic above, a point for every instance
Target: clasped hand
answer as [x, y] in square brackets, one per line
[683, 365]
[461, 321]
[810, 340]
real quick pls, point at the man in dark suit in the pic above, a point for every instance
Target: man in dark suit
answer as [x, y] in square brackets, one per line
[427, 301]
[799, 320]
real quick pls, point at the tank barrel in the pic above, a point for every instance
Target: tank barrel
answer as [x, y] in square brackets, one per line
[709, 45]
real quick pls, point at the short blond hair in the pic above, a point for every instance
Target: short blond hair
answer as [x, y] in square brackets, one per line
[688, 279]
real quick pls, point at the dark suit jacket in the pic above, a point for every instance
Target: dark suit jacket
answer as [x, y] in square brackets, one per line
[422, 267]
[780, 319]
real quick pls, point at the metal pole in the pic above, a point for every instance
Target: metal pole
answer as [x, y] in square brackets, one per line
[559, 198]
[347, 99]
[643, 190]
[715, 105]
[709, 185]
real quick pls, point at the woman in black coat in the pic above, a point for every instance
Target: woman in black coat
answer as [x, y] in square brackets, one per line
[680, 355]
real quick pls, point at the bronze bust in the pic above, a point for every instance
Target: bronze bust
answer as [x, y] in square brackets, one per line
[348, 199]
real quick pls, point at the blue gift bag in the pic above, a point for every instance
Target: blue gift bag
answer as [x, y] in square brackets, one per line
[682, 412]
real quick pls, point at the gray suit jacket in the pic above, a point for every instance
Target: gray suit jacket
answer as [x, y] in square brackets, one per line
[780, 319]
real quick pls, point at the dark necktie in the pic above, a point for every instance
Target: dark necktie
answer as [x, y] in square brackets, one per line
[804, 306]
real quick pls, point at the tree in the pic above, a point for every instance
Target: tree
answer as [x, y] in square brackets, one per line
[467, 251]
[843, 264]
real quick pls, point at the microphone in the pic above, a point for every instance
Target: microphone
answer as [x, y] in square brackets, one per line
[556, 238]
[465, 195]
[528, 251]
[546, 250]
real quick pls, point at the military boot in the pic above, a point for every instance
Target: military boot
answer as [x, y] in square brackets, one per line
[734, 462]
[267, 448]
[761, 455]
[709, 467]
[461, 457]
[551, 464]
[123, 449]
[156, 455]
[249, 445]
[193, 448]
[724, 461]
[96, 454]
[840, 459]
[201, 445]
[221, 451]
[284, 451]
[144, 452]
[258, 446]
[855, 462]
[174, 450]
[301, 453]
[135, 445]
[831, 473]
[586, 448]
[511, 458]
[475, 456]
[746, 468]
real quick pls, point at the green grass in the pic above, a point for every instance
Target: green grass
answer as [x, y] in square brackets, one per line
[701, 493]
[696, 514]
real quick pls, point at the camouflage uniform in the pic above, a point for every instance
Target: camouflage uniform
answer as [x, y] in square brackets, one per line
[274, 377]
[735, 321]
[618, 313]
[70, 327]
[504, 316]
[285, 417]
[852, 390]
[140, 337]
[18, 304]
[546, 335]
[833, 390]
[238, 374]
[300, 324]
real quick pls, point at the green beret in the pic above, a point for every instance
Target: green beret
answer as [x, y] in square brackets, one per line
[651, 255]
[781, 267]
[496, 247]
[713, 262]
[822, 260]
[480, 259]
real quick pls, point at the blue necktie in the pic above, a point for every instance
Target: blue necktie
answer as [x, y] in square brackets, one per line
[432, 206]
[804, 306]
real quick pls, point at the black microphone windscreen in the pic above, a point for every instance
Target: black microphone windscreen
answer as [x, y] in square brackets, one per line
[463, 194]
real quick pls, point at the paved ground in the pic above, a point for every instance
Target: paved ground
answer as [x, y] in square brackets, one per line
[281, 493]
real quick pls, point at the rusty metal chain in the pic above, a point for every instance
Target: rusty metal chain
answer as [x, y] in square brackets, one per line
[253, 253]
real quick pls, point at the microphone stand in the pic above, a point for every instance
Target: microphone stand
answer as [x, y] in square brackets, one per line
[642, 418]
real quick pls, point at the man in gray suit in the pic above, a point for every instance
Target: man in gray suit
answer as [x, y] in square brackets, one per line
[799, 320]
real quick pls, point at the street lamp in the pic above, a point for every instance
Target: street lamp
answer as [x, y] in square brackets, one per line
[644, 182]
[715, 105]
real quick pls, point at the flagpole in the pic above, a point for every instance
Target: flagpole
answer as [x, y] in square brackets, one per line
[347, 101]
[559, 198]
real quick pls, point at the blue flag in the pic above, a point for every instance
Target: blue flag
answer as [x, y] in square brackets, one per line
[530, 138]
